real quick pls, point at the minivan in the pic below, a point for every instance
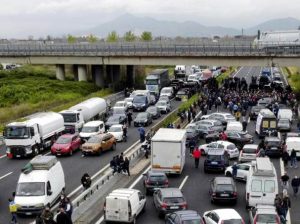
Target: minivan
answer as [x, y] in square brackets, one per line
[293, 143]
[266, 123]
[91, 128]
[124, 205]
[262, 185]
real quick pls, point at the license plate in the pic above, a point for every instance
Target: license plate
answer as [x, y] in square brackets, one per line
[58, 154]
[214, 163]
[224, 195]
[28, 213]
[174, 207]
[18, 156]
[156, 188]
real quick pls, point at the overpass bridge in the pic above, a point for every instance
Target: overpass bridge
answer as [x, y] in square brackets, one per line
[106, 58]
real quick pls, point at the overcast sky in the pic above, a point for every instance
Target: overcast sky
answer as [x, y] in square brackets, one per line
[21, 18]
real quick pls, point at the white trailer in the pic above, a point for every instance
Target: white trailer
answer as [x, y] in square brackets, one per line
[34, 134]
[168, 150]
[76, 116]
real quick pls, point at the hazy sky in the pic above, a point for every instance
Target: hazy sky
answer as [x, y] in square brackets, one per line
[20, 18]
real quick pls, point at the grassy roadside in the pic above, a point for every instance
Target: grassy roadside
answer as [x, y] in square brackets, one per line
[293, 77]
[225, 75]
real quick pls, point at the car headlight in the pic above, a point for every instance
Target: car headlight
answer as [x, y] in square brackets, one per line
[145, 120]
[40, 205]
[28, 149]
[143, 105]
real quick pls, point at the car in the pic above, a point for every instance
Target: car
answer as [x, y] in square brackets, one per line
[242, 171]
[203, 130]
[167, 91]
[223, 117]
[239, 138]
[164, 98]
[184, 217]
[229, 148]
[255, 111]
[284, 124]
[164, 106]
[264, 214]
[66, 144]
[122, 104]
[191, 133]
[117, 131]
[115, 119]
[223, 189]
[220, 216]
[142, 119]
[98, 144]
[154, 111]
[215, 124]
[274, 146]
[183, 94]
[167, 200]
[154, 180]
[216, 160]
[129, 102]
[248, 153]
[265, 102]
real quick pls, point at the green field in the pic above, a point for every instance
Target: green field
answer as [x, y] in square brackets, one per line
[293, 76]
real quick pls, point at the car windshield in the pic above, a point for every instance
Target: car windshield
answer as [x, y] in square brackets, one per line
[286, 122]
[71, 118]
[142, 116]
[151, 81]
[118, 110]
[87, 129]
[94, 139]
[119, 104]
[158, 178]
[115, 129]
[192, 221]
[129, 100]
[113, 119]
[63, 140]
[161, 103]
[139, 99]
[224, 187]
[165, 91]
[181, 93]
[273, 142]
[233, 221]
[249, 150]
[266, 218]
[231, 146]
[152, 109]
[30, 189]
[174, 200]
[214, 157]
[16, 132]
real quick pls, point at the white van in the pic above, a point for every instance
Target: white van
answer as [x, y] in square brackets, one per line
[293, 143]
[41, 182]
[167, 91]
[265, 122]
[262, 185]
[91, 128]
[285, 114]
[124, 205]
[234, 126]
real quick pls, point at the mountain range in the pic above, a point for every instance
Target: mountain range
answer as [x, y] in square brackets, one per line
[136, 24]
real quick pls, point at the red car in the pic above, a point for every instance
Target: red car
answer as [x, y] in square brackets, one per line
[66, 144]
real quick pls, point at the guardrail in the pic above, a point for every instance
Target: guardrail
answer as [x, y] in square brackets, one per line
[152, 49]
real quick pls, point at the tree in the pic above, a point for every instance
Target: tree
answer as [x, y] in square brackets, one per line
[71, 39]
[1, 67]
[92, 39]
[129, 36]
[112, 37]
[146, 36]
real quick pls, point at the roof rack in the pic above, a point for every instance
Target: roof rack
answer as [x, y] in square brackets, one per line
[40, 162]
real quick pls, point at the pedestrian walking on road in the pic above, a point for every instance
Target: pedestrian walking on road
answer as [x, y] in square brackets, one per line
[286, 204]
[295, 185]
[234, 170]
[13, 210]
[244, 123]
[293, 158]
[47, 216]
[285, 181]
[129, 118]
[192, 145]
[62, 217]
[197, 156]
[126, 166]
[113, 165]
[141, 130]
[285, 158]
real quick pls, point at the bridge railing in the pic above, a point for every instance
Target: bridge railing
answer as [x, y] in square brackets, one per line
[150, 49]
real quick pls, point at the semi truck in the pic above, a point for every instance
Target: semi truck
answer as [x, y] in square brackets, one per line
[156, 80]
[168, 150]
[32, 135]
[180, 72]
[76, 116]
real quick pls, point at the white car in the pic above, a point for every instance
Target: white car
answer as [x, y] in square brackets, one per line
[117, 131]
[163, 106]
[129, 102]
[220, 216]
[167, 91]
[242, 171]
[229, 147]
[122, 104]
[223, 117]
[248, 153]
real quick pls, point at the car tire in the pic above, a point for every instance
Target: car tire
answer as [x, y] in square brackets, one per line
[35, 151]
[113, 147]
[228, 174]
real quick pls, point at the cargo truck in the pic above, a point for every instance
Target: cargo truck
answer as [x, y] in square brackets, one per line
[156, 80]
[168, 150]
[32, 135]
[76, 116]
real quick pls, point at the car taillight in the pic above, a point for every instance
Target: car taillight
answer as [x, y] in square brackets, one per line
[184, 205]
[163, 205]
[166, 182]
[213, 194]
[235, 194]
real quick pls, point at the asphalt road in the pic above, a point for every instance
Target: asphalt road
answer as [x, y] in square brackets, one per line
[74, 167]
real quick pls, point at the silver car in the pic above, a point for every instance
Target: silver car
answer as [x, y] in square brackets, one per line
[164, 106]
[248, 153]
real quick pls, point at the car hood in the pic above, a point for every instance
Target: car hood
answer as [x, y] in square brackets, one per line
[90, 145]
[60, 146]
[140, 119]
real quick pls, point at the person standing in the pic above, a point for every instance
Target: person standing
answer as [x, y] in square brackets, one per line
[197, 156]
[286, 203]
[192, 145]
[47, 215]
[141, 130]
[126, 166]
[62, 217]
[295, 185]
[244, 123]
[129, 118]
[234, 170]
[293, 158]
[13, 210]
[68, 207]
[285, 181]
[285, 158]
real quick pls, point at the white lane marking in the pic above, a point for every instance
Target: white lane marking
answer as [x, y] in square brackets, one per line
[6, 175]
[183, 182]
[130, 187]
[2, 156]
[288, 216]
[238, 71]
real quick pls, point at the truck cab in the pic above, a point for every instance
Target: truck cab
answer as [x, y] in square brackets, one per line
[92, 128]
[73, 120]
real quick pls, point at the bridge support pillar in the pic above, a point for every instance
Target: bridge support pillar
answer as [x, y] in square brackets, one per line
[113, 72]
[130, 76]
[98, 74]
[75, 72]
[82, 73]
[60, 72]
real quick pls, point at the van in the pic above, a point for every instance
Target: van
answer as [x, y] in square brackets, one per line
[293, 143]
[262, 185]
[265, 123]
[92, 128]
[124, 205]
[234, 126]
[140, 102]
[41, 182]
[285, 114]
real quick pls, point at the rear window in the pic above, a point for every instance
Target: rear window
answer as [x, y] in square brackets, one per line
[214, 157]
[157, 178]
[173, 200]
[269, 186]
[233, 221]
[224, 187]
[267, 218]
[249, 150]
[256, 186]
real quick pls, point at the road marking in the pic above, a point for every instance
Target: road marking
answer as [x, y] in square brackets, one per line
[238, 71]
[2, 156]
[183, 182]
[6, 175]
[288, 216]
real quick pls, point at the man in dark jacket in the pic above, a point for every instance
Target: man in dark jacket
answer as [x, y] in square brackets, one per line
[293, 158]
[285, 181]
[285, 158]
[62, 217]
[86, 181]
[126, 166]
[47, 215]
[295, 185]
[129, 118]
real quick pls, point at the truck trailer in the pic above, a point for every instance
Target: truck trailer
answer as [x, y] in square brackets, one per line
[33, 135]
[168, 150]
[156, 80]
[76, 116]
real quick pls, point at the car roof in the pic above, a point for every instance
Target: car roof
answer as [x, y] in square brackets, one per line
[251, 146]
[225, 143]
[93, 123]
[121, 101]
[188, 214]
[153, 173]
[216, 152]
[171, 192]
[227, 213]
[117, 125]
[223, 180]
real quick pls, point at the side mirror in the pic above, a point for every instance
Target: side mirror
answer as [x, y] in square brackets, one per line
[49, 192]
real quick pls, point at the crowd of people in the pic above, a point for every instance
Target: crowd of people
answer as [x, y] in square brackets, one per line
[120, 165]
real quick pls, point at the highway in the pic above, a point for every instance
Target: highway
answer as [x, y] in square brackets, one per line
[74, 167]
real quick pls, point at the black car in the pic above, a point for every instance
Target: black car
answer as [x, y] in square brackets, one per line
[216, 160]
[154, 111]
[255, 111]
[143, 119]
[239, 138]
[183, 94]
[115, 119]
[155, 180]
[274, 146]
[223, 189]
[184, 217]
